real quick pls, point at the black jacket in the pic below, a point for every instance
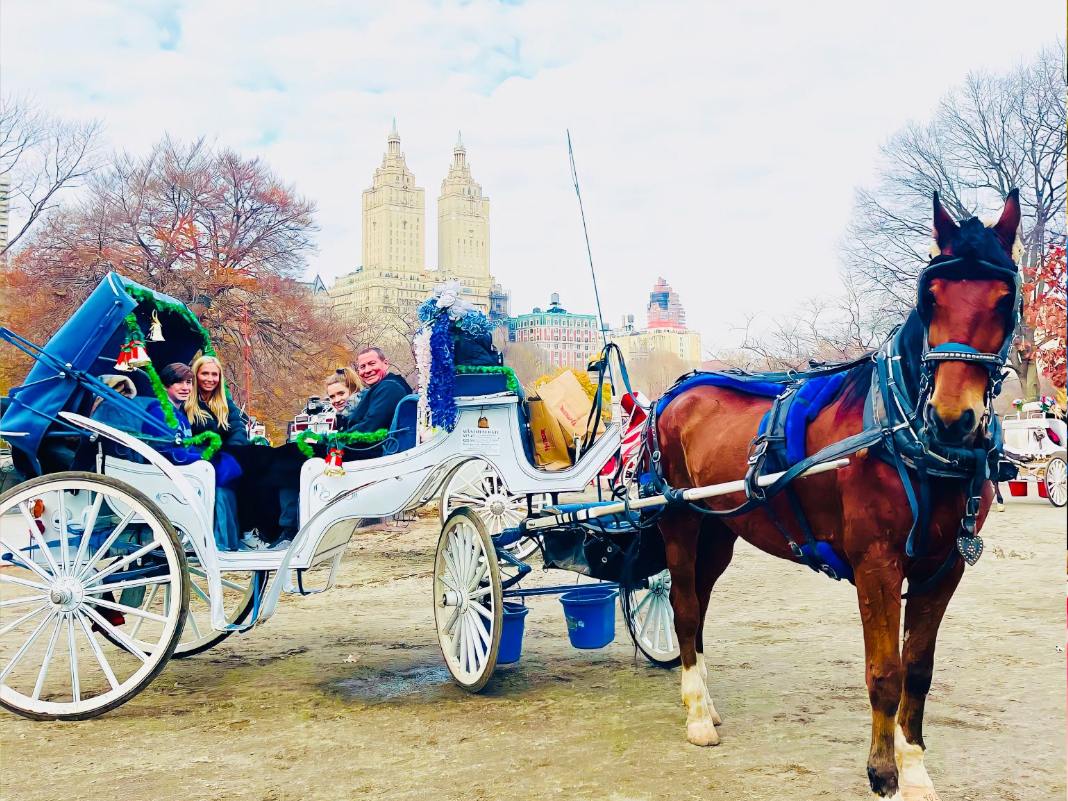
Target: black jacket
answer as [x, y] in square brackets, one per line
[377, 405]
[233, 437]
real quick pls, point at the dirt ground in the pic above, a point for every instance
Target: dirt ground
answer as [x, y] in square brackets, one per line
[344, 696]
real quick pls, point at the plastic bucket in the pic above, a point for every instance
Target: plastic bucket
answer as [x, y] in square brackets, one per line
[1018, 489]
[590, 613]
[514, 621]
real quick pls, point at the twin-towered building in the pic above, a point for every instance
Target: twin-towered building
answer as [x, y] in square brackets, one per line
[393, 277]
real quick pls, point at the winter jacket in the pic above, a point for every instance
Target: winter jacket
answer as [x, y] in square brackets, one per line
[233, 437]
[377, 405]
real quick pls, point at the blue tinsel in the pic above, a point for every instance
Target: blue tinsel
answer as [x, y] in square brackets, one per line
[439, 395]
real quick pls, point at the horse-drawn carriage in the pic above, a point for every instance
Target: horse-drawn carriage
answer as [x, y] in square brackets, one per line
[1035, 444]
[109, 565]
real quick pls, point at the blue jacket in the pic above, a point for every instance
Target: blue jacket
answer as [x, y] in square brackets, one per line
[174, 453]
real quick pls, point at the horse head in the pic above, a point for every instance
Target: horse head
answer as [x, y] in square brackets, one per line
[968, 301]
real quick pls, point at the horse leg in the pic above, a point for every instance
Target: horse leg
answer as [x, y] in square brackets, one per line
[715, 547]
[681, 530]
[878, 579]
[923, 616]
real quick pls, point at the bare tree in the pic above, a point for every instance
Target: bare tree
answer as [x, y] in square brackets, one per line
[991, 134]
[40, 157]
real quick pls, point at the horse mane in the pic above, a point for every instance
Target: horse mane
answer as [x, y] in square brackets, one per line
[854, 390]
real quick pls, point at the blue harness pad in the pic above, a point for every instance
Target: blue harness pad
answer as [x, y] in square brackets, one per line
[811, 399]
[751, 386]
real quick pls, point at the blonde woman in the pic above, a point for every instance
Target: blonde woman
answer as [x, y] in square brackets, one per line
[343, 390]
[210, 407]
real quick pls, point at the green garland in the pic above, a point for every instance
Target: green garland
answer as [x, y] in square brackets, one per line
[214, 443]
[149, 369]
[508, 372]
[334, 439]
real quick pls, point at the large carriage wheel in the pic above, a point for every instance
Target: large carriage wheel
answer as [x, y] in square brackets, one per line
[651, 620]
[1055, 479]
[478, 485]
[239, 596]
[99, 540]
[468, 607]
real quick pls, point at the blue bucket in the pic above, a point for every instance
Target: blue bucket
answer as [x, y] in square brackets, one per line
[590, 613]
[514, 620]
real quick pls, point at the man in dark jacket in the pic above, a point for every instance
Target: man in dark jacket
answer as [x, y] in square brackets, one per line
[379, 401]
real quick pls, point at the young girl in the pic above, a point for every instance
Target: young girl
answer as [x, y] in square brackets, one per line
[343, 389]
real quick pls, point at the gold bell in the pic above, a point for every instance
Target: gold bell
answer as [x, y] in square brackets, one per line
[483, 422]
[155, 330]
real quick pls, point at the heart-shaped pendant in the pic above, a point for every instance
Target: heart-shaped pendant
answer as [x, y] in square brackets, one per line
[971, 548]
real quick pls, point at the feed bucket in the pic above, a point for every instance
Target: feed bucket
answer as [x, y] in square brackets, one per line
[514, 620]
[1018, 489]
[590, 613]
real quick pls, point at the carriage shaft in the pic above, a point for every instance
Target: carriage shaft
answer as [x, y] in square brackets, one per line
[694, 494]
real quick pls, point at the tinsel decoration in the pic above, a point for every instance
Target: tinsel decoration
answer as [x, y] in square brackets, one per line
[155, 330]
[305, 439]
[439, 392]
[421, 350]
[213, 440]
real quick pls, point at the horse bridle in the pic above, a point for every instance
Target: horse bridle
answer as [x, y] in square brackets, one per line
[959, 268]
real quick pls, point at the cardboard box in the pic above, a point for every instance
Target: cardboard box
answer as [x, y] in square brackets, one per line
[550, 442]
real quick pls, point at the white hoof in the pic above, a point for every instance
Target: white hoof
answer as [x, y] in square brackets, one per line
[702, 732]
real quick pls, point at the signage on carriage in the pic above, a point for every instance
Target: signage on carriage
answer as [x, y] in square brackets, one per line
[485, 440]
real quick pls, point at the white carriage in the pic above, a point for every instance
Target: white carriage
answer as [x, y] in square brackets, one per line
[1035, 443]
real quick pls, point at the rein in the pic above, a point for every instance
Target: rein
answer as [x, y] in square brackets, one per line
[895, 427]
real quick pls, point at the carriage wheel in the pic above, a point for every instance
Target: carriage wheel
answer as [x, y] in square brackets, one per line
[61, 593]
[651, 620]
[467, 600]
[479, 486]
[239, 596]
[1055, 478]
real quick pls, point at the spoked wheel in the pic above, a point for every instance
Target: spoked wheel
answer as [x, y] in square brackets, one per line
[479, 486]
[651, 621]
[75, 544]
[1055, 478]
[468, 607]
[239, 596]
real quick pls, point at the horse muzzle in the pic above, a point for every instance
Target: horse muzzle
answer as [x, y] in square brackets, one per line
[959, 431]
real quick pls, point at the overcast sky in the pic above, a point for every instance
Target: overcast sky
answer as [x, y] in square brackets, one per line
[718, 143]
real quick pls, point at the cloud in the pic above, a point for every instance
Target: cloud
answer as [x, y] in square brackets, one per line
[718, 144]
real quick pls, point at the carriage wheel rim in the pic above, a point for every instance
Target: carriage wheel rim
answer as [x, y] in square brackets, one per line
[652, 621]
[72, 672]
[487, 495]
[1057, 481]
[467, 601]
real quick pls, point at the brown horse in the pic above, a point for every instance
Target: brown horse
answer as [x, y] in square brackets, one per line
[862, 510]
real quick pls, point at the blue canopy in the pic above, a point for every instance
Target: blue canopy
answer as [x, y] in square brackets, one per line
[83, 348]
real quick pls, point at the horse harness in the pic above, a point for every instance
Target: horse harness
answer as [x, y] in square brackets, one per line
[895, 429]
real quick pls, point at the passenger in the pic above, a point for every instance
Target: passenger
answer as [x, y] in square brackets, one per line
[210, 408]
[343, 390]
[177, 380]
[378, 403]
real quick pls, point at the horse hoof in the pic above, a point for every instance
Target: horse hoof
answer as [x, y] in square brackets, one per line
[702, 732]
[913, 793]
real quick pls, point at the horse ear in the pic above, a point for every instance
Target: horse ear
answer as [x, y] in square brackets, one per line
[944, 226]
[1009, 224]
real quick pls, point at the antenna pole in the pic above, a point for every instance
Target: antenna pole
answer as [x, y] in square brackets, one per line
[585, 231]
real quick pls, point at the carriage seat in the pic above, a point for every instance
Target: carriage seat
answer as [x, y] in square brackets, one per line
[402, 434]
[160, 490]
